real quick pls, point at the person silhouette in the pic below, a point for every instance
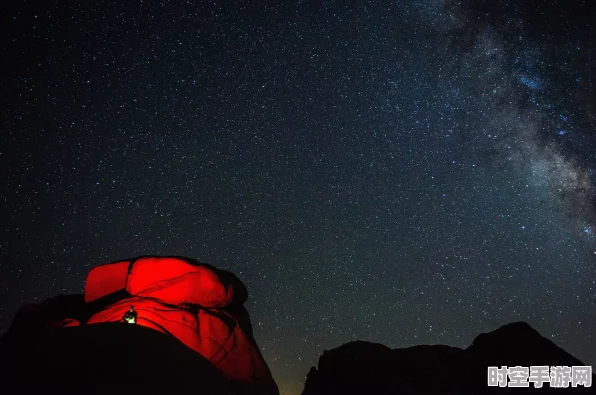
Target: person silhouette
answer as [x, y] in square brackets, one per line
[130, 316]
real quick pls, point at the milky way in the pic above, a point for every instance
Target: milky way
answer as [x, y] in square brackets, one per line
[399, 172]
[536, 66]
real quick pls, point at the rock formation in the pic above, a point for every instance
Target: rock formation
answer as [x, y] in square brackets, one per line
[186, 310]
[370, 368]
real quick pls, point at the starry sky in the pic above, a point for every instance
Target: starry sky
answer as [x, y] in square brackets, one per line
[406, 172]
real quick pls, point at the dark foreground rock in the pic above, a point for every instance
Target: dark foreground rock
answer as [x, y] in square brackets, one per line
[370, 368]
[108, 358]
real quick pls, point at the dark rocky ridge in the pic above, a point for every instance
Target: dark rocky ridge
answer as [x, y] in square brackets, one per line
[369, 368]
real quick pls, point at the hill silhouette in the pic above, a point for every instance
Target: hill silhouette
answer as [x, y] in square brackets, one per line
[370, 368]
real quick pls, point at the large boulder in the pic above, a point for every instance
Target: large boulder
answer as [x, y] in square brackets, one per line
[196, 304]
[370, 368]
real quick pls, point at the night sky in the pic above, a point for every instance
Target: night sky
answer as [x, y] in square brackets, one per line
[413, 172]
